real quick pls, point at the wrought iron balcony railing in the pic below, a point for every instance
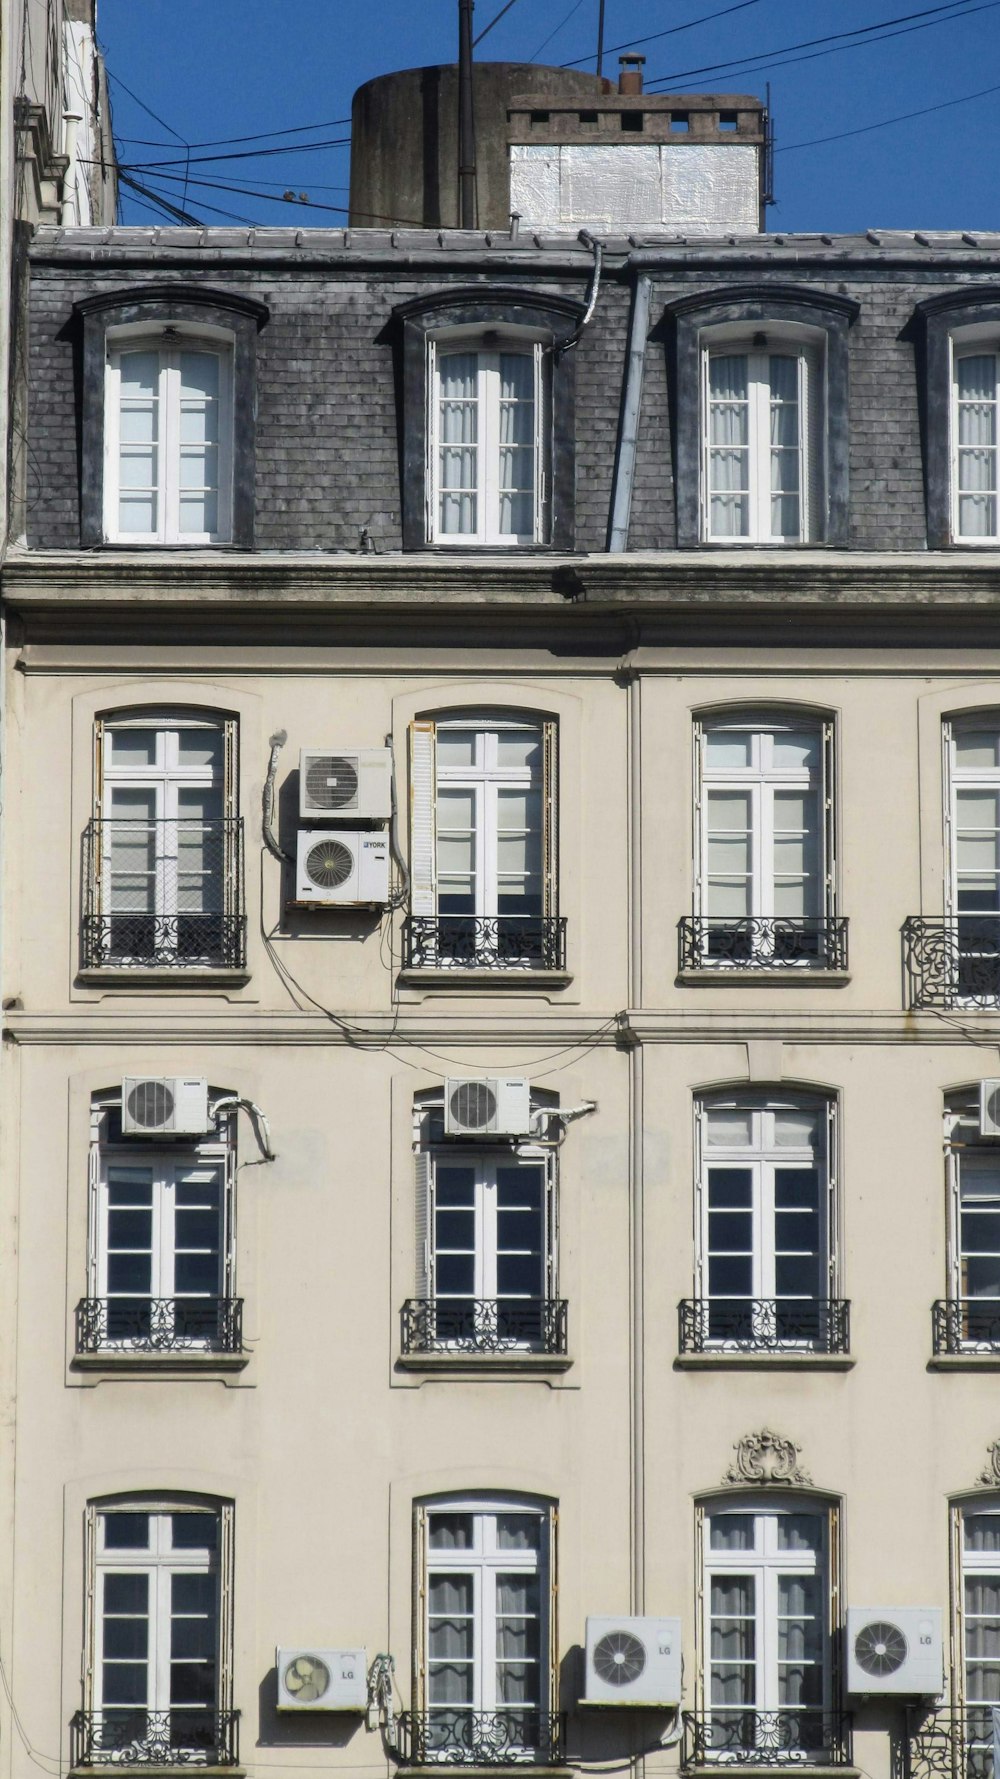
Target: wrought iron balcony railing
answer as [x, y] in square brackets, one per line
[450, 1735]
[159, 1325]
[484, 942]
[743, 1736]
[967, 1325]
[765, 1325]
[759, 942]
[952, 961]
[131, 1736]
[164, 895]
[948, 1744]
[484, 1325]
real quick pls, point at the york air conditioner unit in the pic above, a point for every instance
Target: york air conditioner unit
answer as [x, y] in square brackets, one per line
[989, 1108]
[345, 784]
[633, 1661]
[894, 1649]
[164, 1106]
[322, 1679]
[494, 1106]
[341, 869]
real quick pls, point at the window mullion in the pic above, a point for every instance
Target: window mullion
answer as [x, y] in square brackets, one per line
[486, 1230]
[762, 844]
[763, 1229]
[759, 430]
[487, 845]
[489, 449]
[159, 1655]
[164, 1229]
[169, 459]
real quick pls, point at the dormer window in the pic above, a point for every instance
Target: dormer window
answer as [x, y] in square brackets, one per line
[975, 440]
[488, 475]
[168, 439]
[763, 443]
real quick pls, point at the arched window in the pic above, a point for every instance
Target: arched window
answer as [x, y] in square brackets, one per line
[486, 1240]
[767, 1680]
[967, 1319]
[483, 842]
[158, 1671]
[485, 1678]
[161, 1249]
[767, 1263]
[976, 1680]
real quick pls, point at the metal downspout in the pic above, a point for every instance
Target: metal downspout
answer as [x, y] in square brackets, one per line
[636, 1151]
[628, 428]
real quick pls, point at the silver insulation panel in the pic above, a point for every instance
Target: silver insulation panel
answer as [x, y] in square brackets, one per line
[696, 189]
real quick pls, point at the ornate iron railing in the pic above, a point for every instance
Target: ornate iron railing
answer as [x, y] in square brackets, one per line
[484, 942]
[967, 1325]
[164, 895]
[740, 1735]
[129, 1736]
[759, 942]
[159, 1324]
[484, 1324]
[953, 960]
[765, 1325]
[948, 1744]
[452, 1736]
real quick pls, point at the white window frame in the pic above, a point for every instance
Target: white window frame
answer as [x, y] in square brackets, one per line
[760, 781]
[966, 1565]
[166, 780]
[965, 1151]
[484, 1562]
[807, 347]
[158, 1561]
[168, 342]
[761, 1159]
[765, 1564]
[488, 345]
[973, 342]
[217, 1153]
[486, 780]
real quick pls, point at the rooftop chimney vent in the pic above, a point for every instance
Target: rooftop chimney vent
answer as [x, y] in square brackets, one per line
[630, 73]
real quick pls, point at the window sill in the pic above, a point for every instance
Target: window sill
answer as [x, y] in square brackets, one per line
[507, 979]
[476, 1364]
[487, 1772]
[965, 1362]
[154, 1772]
[764, 1361]
[183, 976]
[770, 1768]
[790, 976]
[160, 1364]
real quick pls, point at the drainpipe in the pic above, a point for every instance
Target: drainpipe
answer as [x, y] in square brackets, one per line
[466, 120]
[637, 1256]
[72, 121]
[628, 426]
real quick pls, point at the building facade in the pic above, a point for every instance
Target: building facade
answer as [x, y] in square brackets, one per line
[502, 964]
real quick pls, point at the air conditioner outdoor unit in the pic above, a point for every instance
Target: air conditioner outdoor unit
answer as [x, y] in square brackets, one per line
[895, 1649]
[633, 1661]
[989, 1108]
[345, 784]
[322, 1679]
[342, 869]
[493, 1106]
[164, 1106]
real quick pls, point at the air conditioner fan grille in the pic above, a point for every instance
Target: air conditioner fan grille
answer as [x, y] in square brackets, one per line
[150, 1104]
[332, 782]
[474, 1105]
[329, 864]
[619, 1658]
[306, 1679]
[880, 1649]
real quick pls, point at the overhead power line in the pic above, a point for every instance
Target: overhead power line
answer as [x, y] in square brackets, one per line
[563, 21]
[230, 141]
[757, 61]
[157, 119]
[671, 31]
[904, 117]
[243, 154]
[493, 21]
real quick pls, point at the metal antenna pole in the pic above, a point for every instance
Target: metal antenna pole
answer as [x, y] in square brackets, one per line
[600, 37]
[466, 120]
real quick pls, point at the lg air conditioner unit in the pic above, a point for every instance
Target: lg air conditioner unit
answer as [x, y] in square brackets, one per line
[322, 1679]
[493, 1106]
[345, 784]
[342, 869]
[895, 1649]
[989, 1108]
[164, 1106]
[633, 1661]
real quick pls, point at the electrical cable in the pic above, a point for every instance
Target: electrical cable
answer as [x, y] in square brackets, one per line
[229, 141]
[493, 21]
[671, 31]
[547, 40]
[243, 154]
[304, 203]
[904, 117]
[144, 107]
[751, 65]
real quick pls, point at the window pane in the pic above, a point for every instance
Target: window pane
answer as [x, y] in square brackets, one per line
[976, 748]
[194, 1531]
[799, 1531]
[451, 1531]
[731, 1531]
[519, 1531]
[133, 747]
[125, 1531]
[139, 375]
[796, 1127]
[730, 1126]
[982, 1532]
[727, 748]
[455, 748]
[795, 749]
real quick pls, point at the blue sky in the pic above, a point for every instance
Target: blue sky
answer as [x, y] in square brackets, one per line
[212, 69]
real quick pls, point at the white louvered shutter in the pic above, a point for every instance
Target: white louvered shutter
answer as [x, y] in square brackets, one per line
[812, 434]
[550, 818]
[423, 818]
[423, 1223]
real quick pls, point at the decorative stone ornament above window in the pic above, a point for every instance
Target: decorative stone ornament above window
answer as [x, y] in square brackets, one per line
[766, 1457]
[759, 383]
[989, 1478]
[958, 336]
[488, 419]
[178, 332]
